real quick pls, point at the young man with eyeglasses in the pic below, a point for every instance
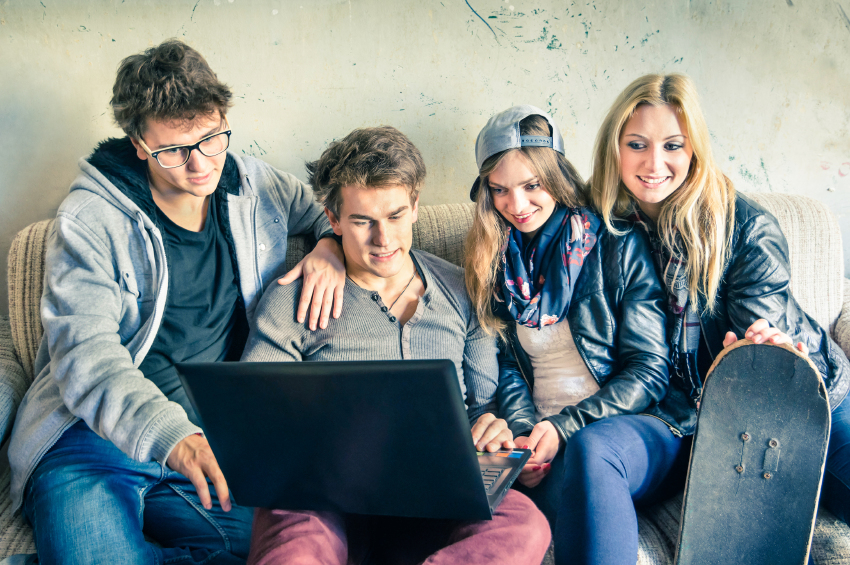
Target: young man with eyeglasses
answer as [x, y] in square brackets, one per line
[159, 255]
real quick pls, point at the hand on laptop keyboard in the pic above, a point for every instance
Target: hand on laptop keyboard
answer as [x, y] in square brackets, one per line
[544, 442]
[491, 434]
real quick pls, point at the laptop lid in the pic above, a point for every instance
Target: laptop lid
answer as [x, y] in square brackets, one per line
[364, 437]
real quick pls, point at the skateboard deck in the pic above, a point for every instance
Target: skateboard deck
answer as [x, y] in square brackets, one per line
[757, 459]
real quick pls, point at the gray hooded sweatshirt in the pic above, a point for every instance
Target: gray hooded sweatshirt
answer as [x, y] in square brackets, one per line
[105, 292]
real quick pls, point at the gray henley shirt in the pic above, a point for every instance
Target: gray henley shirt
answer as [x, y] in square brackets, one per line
[444, 326]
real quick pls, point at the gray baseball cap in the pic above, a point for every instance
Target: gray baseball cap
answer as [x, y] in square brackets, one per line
[502, 133]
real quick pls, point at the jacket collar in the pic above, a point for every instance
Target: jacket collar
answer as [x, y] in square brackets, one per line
[116, 159]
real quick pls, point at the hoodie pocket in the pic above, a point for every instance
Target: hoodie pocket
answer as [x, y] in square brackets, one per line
[130, 285]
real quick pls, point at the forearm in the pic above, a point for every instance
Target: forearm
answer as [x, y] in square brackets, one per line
[759, 288]
[622, 395]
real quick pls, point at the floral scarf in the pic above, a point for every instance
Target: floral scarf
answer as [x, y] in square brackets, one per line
[535, 284]
[672, 264]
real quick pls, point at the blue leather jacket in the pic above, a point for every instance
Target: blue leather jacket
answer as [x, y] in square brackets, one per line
[618, 320]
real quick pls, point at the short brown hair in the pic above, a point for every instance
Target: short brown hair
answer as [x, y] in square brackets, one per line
[168, 82]
[377, 157]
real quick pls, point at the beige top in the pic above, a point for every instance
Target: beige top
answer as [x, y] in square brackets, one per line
[560, 376]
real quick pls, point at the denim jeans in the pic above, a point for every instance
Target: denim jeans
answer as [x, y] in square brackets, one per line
[835, 494]
[89, 503]
[610, 466]
[606, 469]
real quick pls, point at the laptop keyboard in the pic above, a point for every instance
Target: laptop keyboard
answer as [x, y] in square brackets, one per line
[490, 476]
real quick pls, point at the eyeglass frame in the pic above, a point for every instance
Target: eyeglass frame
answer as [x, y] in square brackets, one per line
[155, 154]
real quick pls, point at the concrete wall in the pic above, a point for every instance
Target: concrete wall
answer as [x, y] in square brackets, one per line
[774, 76]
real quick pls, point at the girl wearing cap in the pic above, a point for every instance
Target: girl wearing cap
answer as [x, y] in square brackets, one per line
[581, 316]
[723, 258]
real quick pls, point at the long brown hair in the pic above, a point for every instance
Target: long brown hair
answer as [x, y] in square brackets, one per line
[486, 237]
[702, 210]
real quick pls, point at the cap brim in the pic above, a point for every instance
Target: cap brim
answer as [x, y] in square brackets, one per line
[473, 192]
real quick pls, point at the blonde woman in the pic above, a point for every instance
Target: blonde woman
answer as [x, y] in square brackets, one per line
[723, 258]
[581, 315]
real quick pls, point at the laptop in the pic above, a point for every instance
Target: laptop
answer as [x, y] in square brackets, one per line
[387, 438]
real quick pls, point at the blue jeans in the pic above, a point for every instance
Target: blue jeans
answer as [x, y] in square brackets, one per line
[606, 469]
[835, 493]
[89, 503]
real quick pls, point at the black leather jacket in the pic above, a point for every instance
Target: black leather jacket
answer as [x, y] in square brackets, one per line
[618, 320]
[756, 285]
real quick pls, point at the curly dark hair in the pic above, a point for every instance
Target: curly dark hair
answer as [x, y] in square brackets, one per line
[377, 157]
[168, 82]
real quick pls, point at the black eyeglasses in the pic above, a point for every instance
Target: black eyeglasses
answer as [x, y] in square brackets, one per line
[178, 155]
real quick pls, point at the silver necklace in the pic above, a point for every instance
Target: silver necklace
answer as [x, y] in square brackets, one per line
[413, 276]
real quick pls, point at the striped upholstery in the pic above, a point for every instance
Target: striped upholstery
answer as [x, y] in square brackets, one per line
[816, 264]
[26, 281]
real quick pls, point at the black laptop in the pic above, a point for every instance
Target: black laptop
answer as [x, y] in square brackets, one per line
[385, 438]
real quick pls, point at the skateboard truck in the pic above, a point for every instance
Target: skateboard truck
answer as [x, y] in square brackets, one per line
[771, 458]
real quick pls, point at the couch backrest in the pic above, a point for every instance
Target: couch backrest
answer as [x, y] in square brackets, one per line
[812, 230]
[26, 281]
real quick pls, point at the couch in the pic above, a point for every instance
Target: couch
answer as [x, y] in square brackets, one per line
[817, 281]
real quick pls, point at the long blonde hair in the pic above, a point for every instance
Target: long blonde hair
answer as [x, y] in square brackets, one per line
[702, 210]
[486, 237]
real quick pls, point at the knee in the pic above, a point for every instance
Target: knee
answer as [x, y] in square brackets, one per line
[298, 538]
[527, 522]
[593, 451]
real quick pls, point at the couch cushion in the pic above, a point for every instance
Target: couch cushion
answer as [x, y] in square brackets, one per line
[15, 533]
[13, 380]
[830, 543]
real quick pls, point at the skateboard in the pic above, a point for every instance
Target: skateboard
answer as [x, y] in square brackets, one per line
[757, 459]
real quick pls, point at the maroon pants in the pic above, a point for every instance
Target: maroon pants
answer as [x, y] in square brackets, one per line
[518, 534]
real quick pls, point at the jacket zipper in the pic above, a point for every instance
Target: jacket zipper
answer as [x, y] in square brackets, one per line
[258, 280]
[675, 432]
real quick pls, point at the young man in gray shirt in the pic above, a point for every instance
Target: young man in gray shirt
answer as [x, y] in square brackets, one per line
[399, 304]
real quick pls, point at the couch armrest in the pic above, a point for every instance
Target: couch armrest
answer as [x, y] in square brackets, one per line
[841, 333]
[13, 380]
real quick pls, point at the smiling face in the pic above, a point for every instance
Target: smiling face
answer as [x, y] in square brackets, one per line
[518, 194]
[200, 175]
[376, 226]
[655, 155]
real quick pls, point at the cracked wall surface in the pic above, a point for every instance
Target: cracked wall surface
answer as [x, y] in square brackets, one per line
[773, 76]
